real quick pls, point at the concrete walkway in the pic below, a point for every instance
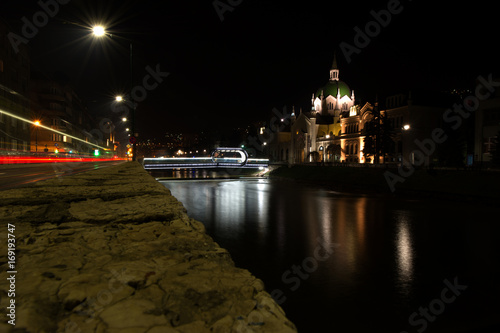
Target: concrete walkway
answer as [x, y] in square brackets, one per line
[112, 251]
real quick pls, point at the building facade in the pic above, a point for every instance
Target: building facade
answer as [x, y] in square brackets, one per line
[335, 128]
[56, 106]
[487, 129]
[14, 100]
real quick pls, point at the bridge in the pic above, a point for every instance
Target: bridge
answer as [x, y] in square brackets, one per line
[226, 158]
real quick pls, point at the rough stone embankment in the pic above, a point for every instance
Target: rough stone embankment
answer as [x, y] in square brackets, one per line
[112, 250]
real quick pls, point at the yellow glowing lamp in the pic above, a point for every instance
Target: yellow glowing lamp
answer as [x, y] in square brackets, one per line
[99, 31]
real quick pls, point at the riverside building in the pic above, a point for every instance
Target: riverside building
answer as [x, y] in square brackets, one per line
[334, 129]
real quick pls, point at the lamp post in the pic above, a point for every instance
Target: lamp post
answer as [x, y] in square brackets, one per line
[99, 31]
[405, 128]
[37, 123]
[131, 129]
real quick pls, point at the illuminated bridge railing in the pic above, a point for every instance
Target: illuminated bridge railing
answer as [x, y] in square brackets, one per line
[203, 163]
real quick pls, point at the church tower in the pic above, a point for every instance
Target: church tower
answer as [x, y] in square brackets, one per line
[334, 72]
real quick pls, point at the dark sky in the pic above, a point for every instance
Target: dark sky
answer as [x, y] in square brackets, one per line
[264, 54]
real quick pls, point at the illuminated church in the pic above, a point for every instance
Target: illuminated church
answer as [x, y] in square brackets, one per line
[332, 130]
[329, 131]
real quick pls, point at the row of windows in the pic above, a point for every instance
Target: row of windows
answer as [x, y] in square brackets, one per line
[395, 101]
[55, 91]
[331, 106]
[396, 122]
[351, 128]
[13, 144]
[13, 121]
[351, 149]
[60, 138]
[56, 106]
[489, 144]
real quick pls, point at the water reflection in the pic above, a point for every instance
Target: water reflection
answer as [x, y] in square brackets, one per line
[404, 252]
[391, 257]
[226, 206]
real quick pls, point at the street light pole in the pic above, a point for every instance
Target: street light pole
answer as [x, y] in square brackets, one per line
[100, 31]
[37, 123]
[134, 148]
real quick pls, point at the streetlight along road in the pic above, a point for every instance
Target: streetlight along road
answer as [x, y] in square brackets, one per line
[99, 31]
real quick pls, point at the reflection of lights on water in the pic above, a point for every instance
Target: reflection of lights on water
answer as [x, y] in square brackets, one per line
[404, 254]
[326, 219]
[263, 206]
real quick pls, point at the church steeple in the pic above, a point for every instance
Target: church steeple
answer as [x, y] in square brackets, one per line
[334, 72]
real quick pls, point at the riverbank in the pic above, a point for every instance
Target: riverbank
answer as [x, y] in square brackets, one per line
[447, 184]
[112, 250]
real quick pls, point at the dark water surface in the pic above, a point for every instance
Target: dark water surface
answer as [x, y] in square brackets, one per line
[339, 262]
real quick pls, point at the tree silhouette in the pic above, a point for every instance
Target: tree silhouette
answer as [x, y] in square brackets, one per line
[379, 137]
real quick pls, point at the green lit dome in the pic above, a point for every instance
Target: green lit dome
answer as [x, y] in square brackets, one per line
[332, 87]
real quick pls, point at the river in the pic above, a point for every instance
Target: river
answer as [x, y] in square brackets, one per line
[339, 262]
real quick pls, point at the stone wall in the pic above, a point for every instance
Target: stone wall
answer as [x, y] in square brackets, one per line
[112, 250]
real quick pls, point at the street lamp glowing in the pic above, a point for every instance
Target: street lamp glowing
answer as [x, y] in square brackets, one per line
[37, 123]
[406, 127]
[99, 31]
[119, 99]
[124, 119]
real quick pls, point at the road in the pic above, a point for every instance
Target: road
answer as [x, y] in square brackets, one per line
[18, 175]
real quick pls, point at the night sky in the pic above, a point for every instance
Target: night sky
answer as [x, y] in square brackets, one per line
[264, 54]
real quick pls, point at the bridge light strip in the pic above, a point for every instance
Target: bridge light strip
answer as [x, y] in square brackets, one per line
[197, 163]
[50, 129]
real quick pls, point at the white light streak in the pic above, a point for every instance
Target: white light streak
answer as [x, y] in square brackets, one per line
[50, 129]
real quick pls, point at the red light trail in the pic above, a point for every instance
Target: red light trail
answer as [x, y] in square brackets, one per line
[22, 159]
